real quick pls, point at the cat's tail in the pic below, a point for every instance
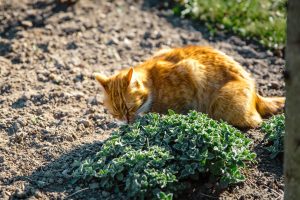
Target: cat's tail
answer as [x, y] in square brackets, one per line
[267, 106]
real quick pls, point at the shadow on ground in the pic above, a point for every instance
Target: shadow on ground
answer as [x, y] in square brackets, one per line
[266, 164]
[29, 21]
[55, 177]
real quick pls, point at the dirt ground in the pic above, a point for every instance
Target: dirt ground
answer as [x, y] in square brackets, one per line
[50, 107]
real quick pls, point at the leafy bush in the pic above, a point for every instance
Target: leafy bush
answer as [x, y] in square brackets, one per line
[152, 157]
[264, 20]
[274, 129]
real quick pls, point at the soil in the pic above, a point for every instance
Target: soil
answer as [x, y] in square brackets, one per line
[50, 107]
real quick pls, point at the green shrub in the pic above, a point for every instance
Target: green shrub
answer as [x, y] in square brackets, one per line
[263, 20]
[274, 129]
[152, 157]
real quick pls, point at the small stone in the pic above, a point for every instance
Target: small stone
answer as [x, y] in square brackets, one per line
[74, 136]
[76, 61]
[112, 41]
[156, 35]
[60, 114]
[127, 44]
[5, 88]
[1, 159]
[77, 94]
[39, 111]
[98, 117]
[93, 101]
[69, 138]
[104, 126]
[38, 194]
[269, 53]
[80, 127]
[273, 85]
[21, 121]
[131, 35]
[85, 122]
[102, 16]
[8, 193]
[52, 76]
[17, 126]
[56, 79]
[27, 23]
[42, 78]
[147, 35]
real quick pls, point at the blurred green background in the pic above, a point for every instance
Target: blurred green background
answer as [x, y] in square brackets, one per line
[261, 20]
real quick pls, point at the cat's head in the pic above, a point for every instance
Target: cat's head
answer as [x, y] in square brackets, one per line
[125, 96]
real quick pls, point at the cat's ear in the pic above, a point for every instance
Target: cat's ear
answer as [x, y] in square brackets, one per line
[102, 79]
[132, 78]
[130, 75]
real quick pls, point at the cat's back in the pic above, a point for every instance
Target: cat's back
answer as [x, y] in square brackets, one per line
[214, 61]
[204, 54]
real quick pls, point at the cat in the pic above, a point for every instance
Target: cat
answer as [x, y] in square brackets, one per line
[188, 78]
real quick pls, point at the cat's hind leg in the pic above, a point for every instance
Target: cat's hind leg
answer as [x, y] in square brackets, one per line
[235, 103]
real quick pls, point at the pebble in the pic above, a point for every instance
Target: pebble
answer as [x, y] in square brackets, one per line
[38, 194]
[76, 61]
[273, 85]
[27, 23]
[8, 193]
[113, 41]
[21, 121]
[93, 100]
[98, 116]
[127, 44]
[85, 122]
[69, 138]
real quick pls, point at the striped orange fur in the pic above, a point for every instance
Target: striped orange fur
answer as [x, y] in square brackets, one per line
[189, 78]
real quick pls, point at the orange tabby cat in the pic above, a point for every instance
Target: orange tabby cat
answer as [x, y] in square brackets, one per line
[182, 79]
